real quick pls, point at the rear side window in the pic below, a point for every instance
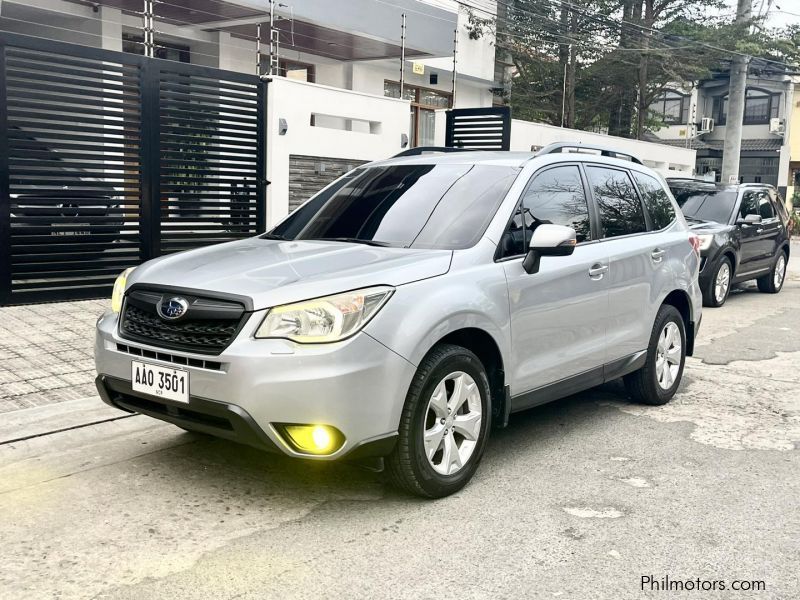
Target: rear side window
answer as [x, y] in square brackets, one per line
[655, 199]
[621, 211]
[757, 203]
[555, 196]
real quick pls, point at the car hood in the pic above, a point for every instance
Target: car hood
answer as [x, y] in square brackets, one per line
[272, 272]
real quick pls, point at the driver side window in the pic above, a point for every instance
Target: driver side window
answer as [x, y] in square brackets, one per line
[554, 196]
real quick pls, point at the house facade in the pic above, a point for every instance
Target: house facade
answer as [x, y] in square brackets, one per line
[696, 116]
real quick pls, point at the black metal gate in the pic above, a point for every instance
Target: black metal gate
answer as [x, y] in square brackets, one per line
[108, 159]
[486, 128]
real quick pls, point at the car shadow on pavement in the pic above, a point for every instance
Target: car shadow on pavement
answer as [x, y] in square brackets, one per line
[230, 466]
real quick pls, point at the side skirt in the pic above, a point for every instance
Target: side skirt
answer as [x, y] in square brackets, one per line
[578, 383]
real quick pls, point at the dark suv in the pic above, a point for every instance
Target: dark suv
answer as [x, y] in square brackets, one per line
[744, 234]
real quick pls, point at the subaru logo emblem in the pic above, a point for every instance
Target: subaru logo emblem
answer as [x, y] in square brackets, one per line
[172, 308]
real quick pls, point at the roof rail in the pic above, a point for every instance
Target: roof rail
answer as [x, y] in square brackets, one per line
[430, 149]
[558, 147]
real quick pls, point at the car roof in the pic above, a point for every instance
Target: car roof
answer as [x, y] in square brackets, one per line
[501, 158]
[505, 158]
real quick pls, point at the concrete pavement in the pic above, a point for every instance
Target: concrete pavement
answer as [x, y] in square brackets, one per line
[577, 499]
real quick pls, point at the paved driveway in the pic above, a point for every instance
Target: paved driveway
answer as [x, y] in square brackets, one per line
[578, 499]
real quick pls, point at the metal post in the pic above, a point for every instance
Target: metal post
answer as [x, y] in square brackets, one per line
[273, 46]
[402, 54]
[148, 28]
[258, 50]
[455, 61]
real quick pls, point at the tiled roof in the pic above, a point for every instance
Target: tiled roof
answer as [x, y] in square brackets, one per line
[757, 145]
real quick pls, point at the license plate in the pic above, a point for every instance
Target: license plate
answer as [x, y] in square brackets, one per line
[161, 382]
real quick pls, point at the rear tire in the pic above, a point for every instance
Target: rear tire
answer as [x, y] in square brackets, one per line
[658, 380]
[434, 455]
[719, 286]
[772, 283]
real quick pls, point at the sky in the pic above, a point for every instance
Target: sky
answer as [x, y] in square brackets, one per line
[781, 13]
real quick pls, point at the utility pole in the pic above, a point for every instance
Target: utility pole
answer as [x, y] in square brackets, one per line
[736, 96]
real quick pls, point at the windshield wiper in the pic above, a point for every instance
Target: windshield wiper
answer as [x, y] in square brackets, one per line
[352, 240]
[272, 236]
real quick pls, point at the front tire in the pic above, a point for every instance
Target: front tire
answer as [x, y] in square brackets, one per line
[658, 380]
[444, 426]
[772, 283]
[719, 286]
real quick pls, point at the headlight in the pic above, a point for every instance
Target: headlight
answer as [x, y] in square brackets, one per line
[119, 290]
[327, 319]
[705, 241]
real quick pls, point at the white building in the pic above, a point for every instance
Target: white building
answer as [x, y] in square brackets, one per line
[767, 116]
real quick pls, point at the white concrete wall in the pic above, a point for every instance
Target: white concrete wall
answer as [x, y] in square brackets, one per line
[527, 137]
[375, 126]
[475, 57]
[666, 159]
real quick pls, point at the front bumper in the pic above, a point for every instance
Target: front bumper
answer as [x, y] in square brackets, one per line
[357, 385]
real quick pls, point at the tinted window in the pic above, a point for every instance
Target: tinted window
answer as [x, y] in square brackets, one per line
[438, 206]
[756, 203]
[656, 200]
[705, 203]
[620, 209]
[555, 196]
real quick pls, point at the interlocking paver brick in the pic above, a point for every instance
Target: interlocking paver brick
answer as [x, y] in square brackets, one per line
[46, 353]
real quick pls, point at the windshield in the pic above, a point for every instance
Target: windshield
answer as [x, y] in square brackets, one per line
[704, 203]
[410, 206]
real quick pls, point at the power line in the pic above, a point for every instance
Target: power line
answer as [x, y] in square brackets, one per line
[615, 23]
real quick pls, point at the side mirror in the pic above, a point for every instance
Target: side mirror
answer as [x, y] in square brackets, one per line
[750, 219]
[549, 240]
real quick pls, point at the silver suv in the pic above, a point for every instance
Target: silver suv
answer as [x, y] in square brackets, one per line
[411, 305]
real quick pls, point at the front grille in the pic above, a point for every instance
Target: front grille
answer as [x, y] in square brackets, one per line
[208, 326]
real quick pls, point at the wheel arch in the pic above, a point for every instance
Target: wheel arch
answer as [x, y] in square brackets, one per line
[481, 343]
[730, 254]
[680, 300]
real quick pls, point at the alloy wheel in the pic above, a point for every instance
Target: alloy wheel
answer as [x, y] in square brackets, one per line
[452, 423]
[780, 271]
[668, 355]
[722, 282]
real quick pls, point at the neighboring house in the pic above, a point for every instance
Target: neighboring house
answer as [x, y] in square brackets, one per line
[767, 115]
[794, 147]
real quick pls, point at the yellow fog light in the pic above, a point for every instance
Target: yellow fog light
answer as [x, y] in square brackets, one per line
[312, 439]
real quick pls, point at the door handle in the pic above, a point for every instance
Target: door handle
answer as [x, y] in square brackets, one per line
[658, 254]
[597, 271]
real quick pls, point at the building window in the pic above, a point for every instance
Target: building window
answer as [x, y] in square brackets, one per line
[424, 102]
[759, 107]
[672, 107]
[134, 44]
[296, 70]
